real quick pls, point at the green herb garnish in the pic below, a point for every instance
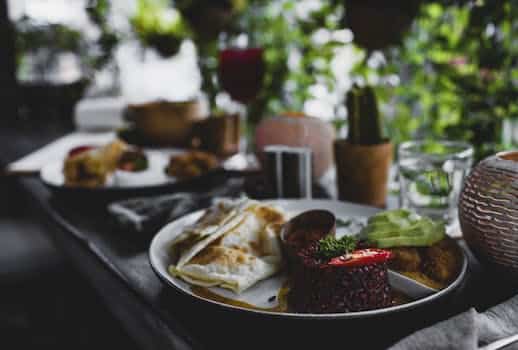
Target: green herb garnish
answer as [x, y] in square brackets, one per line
[141, 164]
[330, 247]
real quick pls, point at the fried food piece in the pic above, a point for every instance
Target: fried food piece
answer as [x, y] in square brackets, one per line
[191, 164]
[405, 259]
[442, 261]
[435, 266]
[91, 168]
[424, 279]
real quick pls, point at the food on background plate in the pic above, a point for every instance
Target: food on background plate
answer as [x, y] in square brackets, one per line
[421, 250]
[79, 149]
[91, 167]
[191, 164]
[134, 168]
[233, 245]
[133, 160]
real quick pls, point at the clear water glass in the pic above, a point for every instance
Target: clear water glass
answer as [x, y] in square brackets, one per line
[431, 174]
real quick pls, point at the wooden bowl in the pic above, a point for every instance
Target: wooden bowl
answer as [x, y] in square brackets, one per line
[166, 123]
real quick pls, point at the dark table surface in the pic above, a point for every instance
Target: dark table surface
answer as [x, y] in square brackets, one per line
[158, 317]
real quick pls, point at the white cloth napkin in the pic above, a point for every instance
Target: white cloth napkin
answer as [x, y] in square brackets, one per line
[467, 331]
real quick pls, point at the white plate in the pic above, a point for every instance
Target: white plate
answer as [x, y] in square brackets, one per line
[259, 294]
[52, 173]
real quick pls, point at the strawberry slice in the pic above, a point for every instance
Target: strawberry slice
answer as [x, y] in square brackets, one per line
[362, 257]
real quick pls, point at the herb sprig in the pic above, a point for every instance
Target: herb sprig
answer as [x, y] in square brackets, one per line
[330, 247]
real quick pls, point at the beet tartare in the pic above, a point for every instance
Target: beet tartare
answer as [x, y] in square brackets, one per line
[353, 281]
[330, 275]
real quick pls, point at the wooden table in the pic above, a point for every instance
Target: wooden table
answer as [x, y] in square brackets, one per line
[158, 317]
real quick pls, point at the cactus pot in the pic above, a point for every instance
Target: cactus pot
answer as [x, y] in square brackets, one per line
[362, 172]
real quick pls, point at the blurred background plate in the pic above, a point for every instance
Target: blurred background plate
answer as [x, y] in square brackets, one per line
[52, 176]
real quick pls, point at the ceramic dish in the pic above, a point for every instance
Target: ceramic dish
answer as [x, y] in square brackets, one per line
[154, 180]
[260, 296]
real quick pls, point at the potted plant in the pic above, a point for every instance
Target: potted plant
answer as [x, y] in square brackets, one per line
[209, 18]
[363, 159]
[159, 26]
[56, 63]
[48, 91]
[159, 114]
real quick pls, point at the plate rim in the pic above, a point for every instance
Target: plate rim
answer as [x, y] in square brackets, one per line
[167, 279]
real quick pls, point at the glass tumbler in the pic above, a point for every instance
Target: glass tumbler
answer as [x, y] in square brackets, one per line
[431, 174]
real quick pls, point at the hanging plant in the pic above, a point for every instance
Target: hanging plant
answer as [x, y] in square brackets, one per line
[208, 18]
[160, 26]
[377, 24]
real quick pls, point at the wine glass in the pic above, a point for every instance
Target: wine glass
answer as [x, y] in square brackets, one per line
[241, 73]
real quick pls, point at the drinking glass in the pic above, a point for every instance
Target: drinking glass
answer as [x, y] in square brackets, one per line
[241, 72]
[431, 174]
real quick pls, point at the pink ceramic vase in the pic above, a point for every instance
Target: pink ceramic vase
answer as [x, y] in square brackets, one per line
[299, 130]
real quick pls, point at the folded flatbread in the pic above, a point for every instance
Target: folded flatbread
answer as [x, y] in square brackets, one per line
[233, 245]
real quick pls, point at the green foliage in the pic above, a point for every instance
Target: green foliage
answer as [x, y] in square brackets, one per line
[98, 12]
[458, 73]
[47, 42]
[33, 36]
[54, 38]
[453, 75]
[295, 61]
[455, 70]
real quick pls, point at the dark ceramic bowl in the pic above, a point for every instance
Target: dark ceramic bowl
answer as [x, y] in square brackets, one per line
[308, 227]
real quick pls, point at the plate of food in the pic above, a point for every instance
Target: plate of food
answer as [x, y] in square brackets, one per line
[117, 168]
[308, 258]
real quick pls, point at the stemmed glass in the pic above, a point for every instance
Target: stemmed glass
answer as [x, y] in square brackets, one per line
[241, 73]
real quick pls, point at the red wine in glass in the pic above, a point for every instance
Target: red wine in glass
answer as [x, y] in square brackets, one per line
[241, 72]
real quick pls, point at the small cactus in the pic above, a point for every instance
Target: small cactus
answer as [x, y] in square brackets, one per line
[364, 119]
